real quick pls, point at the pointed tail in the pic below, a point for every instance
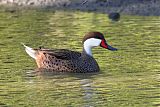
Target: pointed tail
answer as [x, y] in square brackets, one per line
[31, 52]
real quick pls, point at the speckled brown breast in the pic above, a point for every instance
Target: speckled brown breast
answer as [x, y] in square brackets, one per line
[63, 60]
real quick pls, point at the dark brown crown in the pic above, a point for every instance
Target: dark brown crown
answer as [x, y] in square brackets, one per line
[96, 35]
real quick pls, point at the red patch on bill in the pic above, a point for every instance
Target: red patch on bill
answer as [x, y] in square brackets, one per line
[103, 44]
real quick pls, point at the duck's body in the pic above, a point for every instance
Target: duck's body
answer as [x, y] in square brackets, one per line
[62, 60]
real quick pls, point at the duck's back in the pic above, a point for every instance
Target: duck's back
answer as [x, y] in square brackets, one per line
[62, 54]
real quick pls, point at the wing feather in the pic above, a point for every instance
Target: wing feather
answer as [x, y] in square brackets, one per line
[63, 54]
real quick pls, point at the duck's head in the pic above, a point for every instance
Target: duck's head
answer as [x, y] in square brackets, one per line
[93, 39]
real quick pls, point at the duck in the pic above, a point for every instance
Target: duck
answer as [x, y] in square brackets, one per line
[64, 60]
[114, 16]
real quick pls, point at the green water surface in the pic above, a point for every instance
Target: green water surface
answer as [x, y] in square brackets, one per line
[129, 77]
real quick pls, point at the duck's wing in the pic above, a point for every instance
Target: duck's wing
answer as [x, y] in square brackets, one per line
[62, 54]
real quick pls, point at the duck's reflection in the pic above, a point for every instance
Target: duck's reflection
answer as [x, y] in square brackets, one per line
[88, 91]
[66, 81]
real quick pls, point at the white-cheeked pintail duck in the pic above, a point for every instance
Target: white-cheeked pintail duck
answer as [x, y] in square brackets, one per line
[63, 60]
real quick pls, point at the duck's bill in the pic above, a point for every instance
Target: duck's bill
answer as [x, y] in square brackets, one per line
[111, 48]
[105, 45]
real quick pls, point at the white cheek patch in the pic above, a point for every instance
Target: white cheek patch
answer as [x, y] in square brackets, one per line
[89, 43]
[92, 42]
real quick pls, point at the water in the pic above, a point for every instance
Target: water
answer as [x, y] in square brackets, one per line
[129, 77]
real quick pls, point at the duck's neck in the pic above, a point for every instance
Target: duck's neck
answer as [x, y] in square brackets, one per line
[89, 44]
[87, 50]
